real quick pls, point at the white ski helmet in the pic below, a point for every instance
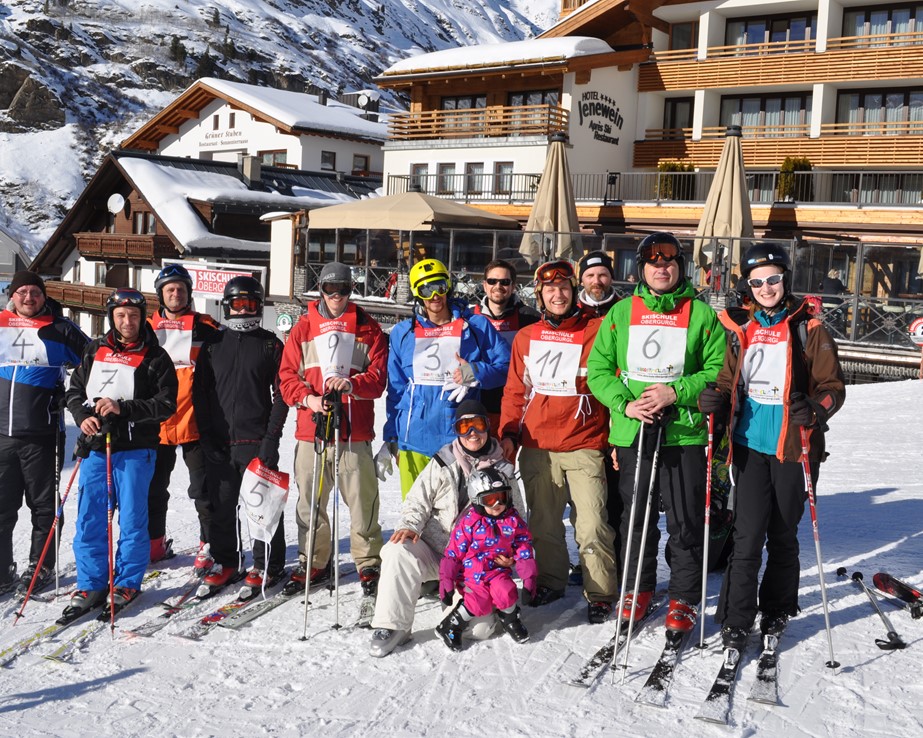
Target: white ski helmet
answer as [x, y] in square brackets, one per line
[484, 483]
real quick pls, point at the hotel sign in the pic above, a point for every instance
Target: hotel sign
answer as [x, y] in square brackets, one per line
[222, 139]
[600, 114]
[208, 280]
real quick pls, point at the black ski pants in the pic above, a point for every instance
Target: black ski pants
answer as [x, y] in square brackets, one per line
[225, 468]
[158, 496]
[679, 490]
[770, 500]
[27, 468]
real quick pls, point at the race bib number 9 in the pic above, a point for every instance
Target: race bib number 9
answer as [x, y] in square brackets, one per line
[334, 343]
[434, 352]
[765, 367]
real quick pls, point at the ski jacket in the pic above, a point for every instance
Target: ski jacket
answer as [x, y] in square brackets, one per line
[236, 388]
[597, 309]
[152, 388]
[812, 367]
[183, 339]
[440, 493]
[508, 323]
[35, 354]
[701, 359]
[301, 373]
[478, 539]
[421, 416]
[536, 418]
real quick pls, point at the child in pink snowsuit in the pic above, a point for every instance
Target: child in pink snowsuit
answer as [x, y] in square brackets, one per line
[485, 543]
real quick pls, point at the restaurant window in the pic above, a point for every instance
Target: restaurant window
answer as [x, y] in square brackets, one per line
[328, 161]
[474, 178]
[215, 122]
[767, 116]
[419, 176]
[503, 177]
[677, 115]
[360, 164]
[232, 120]
[273, 158]
[684, 35]
[446, 179]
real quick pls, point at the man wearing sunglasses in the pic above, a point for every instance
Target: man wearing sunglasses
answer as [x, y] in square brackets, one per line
[653, 356]
[438, 357]
[182, 332]
[507, 314]
[37, 343]
[336, 346]
[560, 430]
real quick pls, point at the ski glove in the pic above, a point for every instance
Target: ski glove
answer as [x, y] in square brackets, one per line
[713, 401]
[449, 571]
[801, 410]
[456, 392]
[384, 462]
[269, 453]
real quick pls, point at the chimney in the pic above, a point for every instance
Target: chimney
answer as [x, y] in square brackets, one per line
[322, 97]
[251, 169]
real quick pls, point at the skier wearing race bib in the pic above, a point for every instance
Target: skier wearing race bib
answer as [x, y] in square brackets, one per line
[438, 357]
[781, 374]
[37, 344]
[240, 414]
[124, 388]
[560, 429]
[181, 331]
[653, 355]
[336, 347]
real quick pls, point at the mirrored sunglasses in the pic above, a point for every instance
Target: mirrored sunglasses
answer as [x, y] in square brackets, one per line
[463, 426]
[246, 304]
[659, 252]
[338, 289]
[554, 271]
[756, 282]
[493, 498]
[429, 290]
[492, 281]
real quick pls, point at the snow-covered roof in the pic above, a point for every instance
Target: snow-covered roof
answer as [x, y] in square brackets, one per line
[168, 190]
[536, 50]
[299, 109]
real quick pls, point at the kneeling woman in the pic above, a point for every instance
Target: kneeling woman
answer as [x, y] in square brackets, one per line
[781, 378]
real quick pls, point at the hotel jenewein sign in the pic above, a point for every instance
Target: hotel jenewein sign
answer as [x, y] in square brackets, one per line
[600, 114]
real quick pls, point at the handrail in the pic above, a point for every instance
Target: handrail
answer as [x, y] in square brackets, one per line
[495, 120]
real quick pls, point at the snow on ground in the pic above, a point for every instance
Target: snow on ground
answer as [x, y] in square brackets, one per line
[264, 680]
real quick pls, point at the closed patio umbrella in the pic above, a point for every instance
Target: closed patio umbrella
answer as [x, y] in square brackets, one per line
[554, 211]
[727, 208]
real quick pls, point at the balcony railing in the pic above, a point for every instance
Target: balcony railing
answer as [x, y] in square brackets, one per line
[765, 187]
[131, 247]
[521, 120]
[84, 297]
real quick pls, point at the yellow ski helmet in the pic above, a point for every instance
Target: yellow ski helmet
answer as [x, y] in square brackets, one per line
[428, 270]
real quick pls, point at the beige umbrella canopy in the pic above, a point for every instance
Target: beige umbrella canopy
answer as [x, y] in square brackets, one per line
[408, 211]
[554, 212]
[727, 209]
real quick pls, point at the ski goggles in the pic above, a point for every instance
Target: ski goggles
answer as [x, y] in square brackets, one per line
[555, 271]
[494, 281]
[656, 252]
[771, 280]
[493, 497]
[429, 290]
[463, 426]
[244, 304]
[336, 289]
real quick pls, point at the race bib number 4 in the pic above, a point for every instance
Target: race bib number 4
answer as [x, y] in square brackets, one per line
[19, 341]
[434, 352]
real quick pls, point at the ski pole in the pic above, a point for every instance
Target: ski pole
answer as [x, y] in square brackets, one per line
[809, 486]
[893, 641]
[320, 466]
[647, 517]
[58, 441]
[51, 536]
[631, 527]
[110, 510]
[708, 462]
[336, 413]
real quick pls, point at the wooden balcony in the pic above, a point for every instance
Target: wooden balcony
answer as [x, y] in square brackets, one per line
[569, 6]
[495, 121]
[847, 59]
[138, 248]
[90, 299]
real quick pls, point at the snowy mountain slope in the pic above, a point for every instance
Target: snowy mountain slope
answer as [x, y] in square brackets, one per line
[98, 69]
[263, 680]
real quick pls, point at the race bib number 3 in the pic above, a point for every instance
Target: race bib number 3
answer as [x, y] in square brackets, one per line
[434, 352]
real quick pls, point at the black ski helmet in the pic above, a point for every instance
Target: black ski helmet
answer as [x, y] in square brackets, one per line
[485, 482]
[242, 287]
[172, 273]
[126, 297]
[767, 253]
[660, 237]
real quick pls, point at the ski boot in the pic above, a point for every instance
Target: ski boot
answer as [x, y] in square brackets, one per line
[512, 624]
[82, 601]
[452, 627]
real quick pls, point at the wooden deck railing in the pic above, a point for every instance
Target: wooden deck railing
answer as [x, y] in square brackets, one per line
[133, 247]
[522, 120]
[85, 297]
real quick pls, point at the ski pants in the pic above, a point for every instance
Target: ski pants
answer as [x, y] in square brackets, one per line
[679, 490]
[159, 493]
[225, 472]
[359, 489]
[770, 498]
[404, 568]
[131, 478]
[410, 464]
[27, 468]
[498, 591]
[549, 478]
